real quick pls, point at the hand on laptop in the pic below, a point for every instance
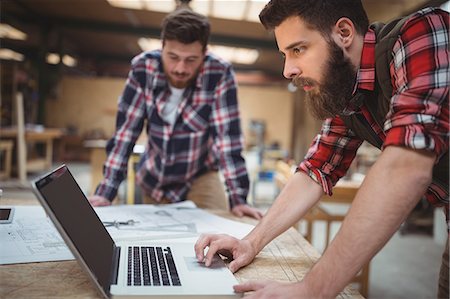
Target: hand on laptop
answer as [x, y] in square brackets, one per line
[98, 201]
[246, 210]
[241, 251]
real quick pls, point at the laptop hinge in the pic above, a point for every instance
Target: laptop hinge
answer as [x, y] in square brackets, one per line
[115, 265]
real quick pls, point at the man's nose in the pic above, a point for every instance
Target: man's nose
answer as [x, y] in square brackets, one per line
[180, 67]
[291, 70]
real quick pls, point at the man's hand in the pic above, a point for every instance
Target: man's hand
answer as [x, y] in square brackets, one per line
[246, 210]
[98, 201]
[241, 251]
[272, 290]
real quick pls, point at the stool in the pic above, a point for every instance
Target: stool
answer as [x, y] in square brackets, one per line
[318, 213]
[6, 147]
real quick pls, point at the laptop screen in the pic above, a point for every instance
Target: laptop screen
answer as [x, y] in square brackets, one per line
[79, 221]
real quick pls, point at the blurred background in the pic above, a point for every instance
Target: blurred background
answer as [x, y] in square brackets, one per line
[63, 65]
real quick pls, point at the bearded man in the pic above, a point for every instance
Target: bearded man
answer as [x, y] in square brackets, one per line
[186, 98]
[385, 84]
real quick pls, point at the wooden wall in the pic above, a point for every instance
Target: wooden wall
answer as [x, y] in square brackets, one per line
[90, 104]
[274, 105]
[85, 103]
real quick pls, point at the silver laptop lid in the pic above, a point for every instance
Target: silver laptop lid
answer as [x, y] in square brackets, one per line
[78, 224]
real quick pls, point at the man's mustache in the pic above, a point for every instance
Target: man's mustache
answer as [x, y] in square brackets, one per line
[303, 81]
[180, 74]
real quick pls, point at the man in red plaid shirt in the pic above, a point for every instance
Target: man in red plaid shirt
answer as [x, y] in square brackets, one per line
[186, 98]
[386, 84]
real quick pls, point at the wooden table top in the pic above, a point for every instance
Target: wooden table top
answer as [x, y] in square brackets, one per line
[287, 258]
[44, 134]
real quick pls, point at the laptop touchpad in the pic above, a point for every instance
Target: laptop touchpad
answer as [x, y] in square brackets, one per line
[193, 265]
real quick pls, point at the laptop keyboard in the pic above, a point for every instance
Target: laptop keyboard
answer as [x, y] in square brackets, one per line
[151, 266]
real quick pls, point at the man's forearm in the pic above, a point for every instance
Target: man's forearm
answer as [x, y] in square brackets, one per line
[390, 191]
[296, 198]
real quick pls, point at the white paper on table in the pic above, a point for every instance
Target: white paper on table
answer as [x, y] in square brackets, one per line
[173, 221]
[31, 237]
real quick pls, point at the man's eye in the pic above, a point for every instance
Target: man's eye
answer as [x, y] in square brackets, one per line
[298, 50]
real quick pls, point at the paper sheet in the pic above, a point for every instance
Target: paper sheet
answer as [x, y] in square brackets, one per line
[172, 221]
[31, 237]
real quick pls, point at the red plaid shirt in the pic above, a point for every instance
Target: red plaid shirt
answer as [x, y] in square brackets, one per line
[206, 134]
[419, 109]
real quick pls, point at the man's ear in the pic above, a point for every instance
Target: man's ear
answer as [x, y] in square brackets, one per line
[344, 32]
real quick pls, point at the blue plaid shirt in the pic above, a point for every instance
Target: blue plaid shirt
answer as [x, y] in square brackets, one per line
[206, 134]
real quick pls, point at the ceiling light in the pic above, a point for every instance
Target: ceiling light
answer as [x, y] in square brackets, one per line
[53, 58]
[8, 54]
[69, 61]
[236, 55]
[161, 5]
[232, 54]
[233, 10]
[148, 44]
[254, 9]
[132, 4]
[7, 31]
[245, 10]
[202, 7]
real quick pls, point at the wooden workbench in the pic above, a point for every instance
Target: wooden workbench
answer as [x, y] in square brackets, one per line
[288, 258]
[98, 158]
[44, 136]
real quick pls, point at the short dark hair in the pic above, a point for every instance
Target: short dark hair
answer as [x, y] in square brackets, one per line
[321, 15]
[186, 26]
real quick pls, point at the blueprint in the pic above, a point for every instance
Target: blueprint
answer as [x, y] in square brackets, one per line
[31, 237]
[150, 222]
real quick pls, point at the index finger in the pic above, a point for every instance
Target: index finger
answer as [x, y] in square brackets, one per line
[199, 247]
[258, 215]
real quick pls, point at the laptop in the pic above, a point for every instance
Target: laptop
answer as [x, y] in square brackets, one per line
[161, 269]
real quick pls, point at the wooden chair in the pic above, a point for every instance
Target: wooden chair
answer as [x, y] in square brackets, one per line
[341, 194]
[6, 147]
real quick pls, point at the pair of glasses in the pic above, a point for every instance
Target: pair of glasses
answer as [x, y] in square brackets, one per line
[116, 223]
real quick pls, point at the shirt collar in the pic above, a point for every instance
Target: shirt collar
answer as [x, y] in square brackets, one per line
[365, 78]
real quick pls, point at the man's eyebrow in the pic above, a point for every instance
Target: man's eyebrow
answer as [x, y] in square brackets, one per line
[172, 53]
[193, 57]
[292, 45]
[188, 57]
[295, 44]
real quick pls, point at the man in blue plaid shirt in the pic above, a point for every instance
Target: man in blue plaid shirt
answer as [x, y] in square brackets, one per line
[186, 99]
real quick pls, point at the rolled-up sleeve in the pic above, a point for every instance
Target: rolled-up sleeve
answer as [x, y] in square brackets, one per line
[419, 114]
[330, 154]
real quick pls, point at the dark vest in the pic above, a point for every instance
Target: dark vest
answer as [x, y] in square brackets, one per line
[377, 102]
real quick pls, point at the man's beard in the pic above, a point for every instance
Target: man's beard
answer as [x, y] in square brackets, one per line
[333, 95]
[179, 84]
[185, 83]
